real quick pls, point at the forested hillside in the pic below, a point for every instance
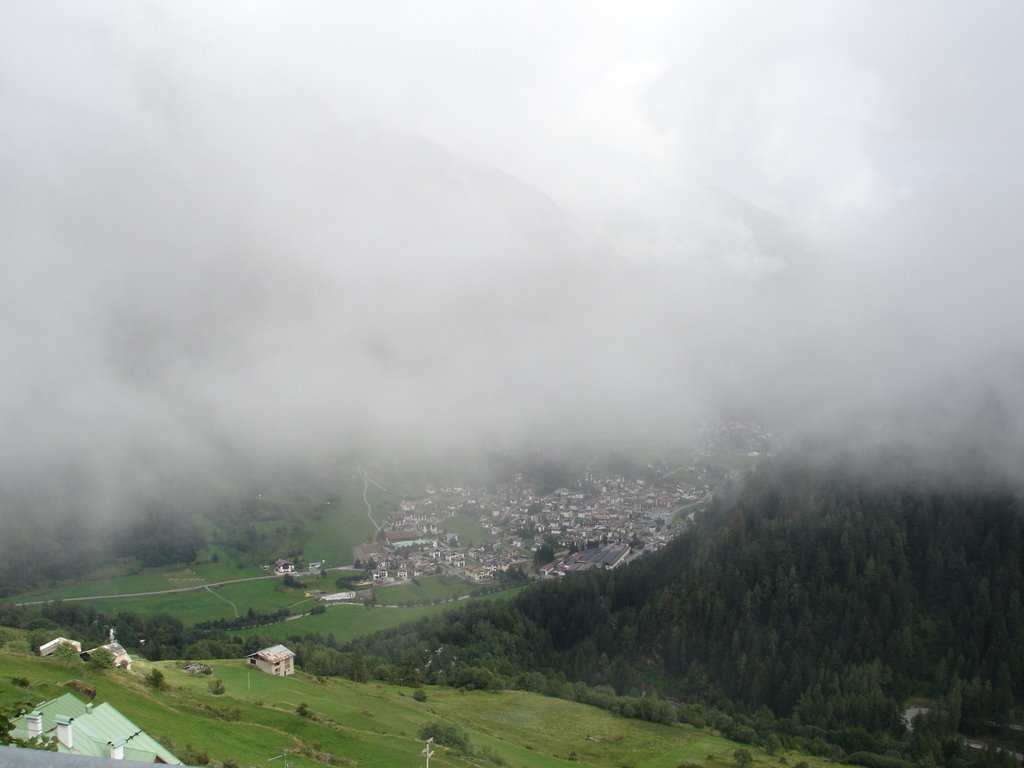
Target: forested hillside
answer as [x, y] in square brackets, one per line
[827, 597]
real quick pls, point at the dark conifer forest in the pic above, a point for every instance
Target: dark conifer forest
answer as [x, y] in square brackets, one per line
[825, 598]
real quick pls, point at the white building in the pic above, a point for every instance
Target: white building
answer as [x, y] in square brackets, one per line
[47, 649]
[121, 658]
[275, 660]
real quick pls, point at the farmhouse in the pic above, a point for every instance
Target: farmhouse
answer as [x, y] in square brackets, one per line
[47, 649]
[121, 658]
[275, 660]
[92, 731]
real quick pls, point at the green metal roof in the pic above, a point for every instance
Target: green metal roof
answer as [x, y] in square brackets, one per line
[94, 729]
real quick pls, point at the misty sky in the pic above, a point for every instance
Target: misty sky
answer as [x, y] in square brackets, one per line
[238, 233]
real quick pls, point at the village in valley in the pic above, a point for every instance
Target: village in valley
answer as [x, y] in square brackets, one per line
[614, 516]
[599, 519]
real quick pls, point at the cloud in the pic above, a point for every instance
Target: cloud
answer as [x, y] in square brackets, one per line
[245, 238]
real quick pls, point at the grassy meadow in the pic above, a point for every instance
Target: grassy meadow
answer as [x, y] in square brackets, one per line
[284, 526]
[348, 621]
[469, 529]
[370, 725]
[428, 589]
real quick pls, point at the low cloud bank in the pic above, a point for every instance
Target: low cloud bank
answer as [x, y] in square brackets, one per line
[203, 279]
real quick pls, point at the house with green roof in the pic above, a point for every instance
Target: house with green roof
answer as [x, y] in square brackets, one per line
[94, 731]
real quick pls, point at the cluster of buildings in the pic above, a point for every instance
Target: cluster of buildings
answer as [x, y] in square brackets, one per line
[121, 659]
[77, 727]
[599, 519]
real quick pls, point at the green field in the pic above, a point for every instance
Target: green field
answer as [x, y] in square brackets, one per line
[222, 570]
[265, 596]
[368, 725]
[320, 529]
[345, 622]
[429, 589]
[396, 605]
[285, 524]
[349, 621]
[148, 580]
[469, 529]
[344, 525]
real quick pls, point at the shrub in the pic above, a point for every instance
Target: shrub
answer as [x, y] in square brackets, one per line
[872, 760]
[448, 735]
[155, 679]
[192, 756]
[216, 687]
[101, 659]
[67, 654]
[491, 756]
[419, 694]
[89, 691]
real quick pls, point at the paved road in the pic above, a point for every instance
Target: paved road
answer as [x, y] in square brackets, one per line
[169, 591]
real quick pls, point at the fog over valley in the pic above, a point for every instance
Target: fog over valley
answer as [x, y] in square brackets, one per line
[237, 239]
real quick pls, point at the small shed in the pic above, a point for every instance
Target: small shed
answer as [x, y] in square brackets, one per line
[275, 660]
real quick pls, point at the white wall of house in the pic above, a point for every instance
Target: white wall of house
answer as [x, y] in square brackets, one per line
[285, 667]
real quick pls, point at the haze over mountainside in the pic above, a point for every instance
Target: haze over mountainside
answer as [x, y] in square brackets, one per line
[214, 265]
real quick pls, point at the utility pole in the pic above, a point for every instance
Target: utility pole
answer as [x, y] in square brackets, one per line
[427, 751]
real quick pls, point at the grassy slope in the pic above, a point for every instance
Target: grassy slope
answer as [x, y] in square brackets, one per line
[429, 589]
[344, 526]
[264, 596]
[345, 622]
[320, 530]
[150, 579]
[369, 725]
[349, 621]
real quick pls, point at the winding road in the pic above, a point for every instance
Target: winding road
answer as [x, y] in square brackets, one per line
[366, 486]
